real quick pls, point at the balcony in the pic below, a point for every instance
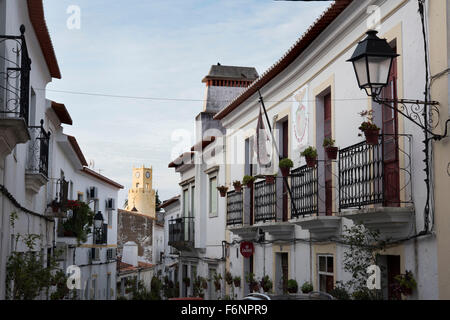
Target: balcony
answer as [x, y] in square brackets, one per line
[312, 200]
[36, 174]
[101, 236]
[258, 208]
[375, 185]
[14, 92]
[181, 233]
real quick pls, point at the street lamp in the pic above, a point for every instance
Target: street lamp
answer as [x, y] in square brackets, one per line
[372, 61]
[98, 227]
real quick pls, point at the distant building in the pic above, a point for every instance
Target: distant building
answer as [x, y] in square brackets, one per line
[139, 222]
[141, 196]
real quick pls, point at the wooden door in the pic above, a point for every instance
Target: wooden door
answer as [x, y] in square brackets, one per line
[390, 143]
[393, 269]
[285, 270]
[285, 154]
[328, 164]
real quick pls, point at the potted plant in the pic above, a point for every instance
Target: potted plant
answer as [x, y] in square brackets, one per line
[405, 283]
[270, 178]
[285, 166]
[252, 283]
[248, 180]
[310, 155]
[217, 282]
[187, 281]
[370, 129]
[330, 149]
[237, 186]
[228, 278]
[292, 286]
[237, 282]
[223, 190]
[307, 287]
[266, 283]
[204, 283]
[80, 223]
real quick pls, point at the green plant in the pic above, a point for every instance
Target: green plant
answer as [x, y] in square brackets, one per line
[198, 289]
[80, 222]
[292, 286]
[405, 283]
[187, 281]
[328, 142]
[340, 292]
[307, 287]
[248, 179]
[222, 188]
[266, 283]
[237, 281]
[228, 278]
[27, 276]
[237, 183]
[286, 163]
[251, 280]
[309, 152]
[217, 281]
[368, 124]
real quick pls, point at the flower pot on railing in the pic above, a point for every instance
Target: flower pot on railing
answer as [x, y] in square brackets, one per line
[311, 162]
[331, 152]
[237, 282]
[248, 181]
[270, 179]
[237, 186]
[310, 155]
[223, 191]
[285, 166]
[372, 136]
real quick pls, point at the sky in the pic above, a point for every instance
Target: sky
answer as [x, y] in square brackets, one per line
[156, 49]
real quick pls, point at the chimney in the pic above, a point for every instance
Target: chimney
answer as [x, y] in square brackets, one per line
[130, 253]
[224, 84]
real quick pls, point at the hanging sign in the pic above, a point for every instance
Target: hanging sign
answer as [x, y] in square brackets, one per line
[247, 249]
[300, 117]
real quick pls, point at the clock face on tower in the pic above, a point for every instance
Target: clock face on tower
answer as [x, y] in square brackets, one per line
[147, 174]
[137, 174]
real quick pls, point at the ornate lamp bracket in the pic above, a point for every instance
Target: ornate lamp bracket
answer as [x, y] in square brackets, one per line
[424, 114]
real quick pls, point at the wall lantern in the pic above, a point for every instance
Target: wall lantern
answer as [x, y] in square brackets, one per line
[372, 61]
[98, 227]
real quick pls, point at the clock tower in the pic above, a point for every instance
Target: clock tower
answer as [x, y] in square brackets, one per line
[141, 196]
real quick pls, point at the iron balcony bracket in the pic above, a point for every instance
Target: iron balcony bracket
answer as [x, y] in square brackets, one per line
[418, 113]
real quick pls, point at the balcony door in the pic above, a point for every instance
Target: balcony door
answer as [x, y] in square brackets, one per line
[284, 153]
[390, 143]
[328, 168]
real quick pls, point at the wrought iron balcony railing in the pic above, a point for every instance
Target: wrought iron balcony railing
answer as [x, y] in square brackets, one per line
[376, 174]
[304, 188]
[181, 232]
[234, 208]
[15, 66]
[38, 150]
[265, 201]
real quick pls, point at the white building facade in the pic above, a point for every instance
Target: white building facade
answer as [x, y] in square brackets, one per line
[39, 164]
[310, 94]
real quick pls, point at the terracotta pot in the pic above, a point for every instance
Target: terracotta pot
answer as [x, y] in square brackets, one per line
[223, 193]
[372, 136]
[238, 188]
[331, 152]
[250, 185]
[237, 283]
[311, 162]
[285, 171]
[293, 290]
[68, 233]
[270, 179]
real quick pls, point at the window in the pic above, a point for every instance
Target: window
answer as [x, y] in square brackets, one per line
[80, 196]
[213, 196]
[110, 218]
[325, 273]
[186, 203]
[192, 200]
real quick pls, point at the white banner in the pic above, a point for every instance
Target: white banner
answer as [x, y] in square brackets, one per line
[300, 116]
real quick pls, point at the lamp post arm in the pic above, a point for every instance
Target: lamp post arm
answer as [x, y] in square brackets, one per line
[414, 110]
